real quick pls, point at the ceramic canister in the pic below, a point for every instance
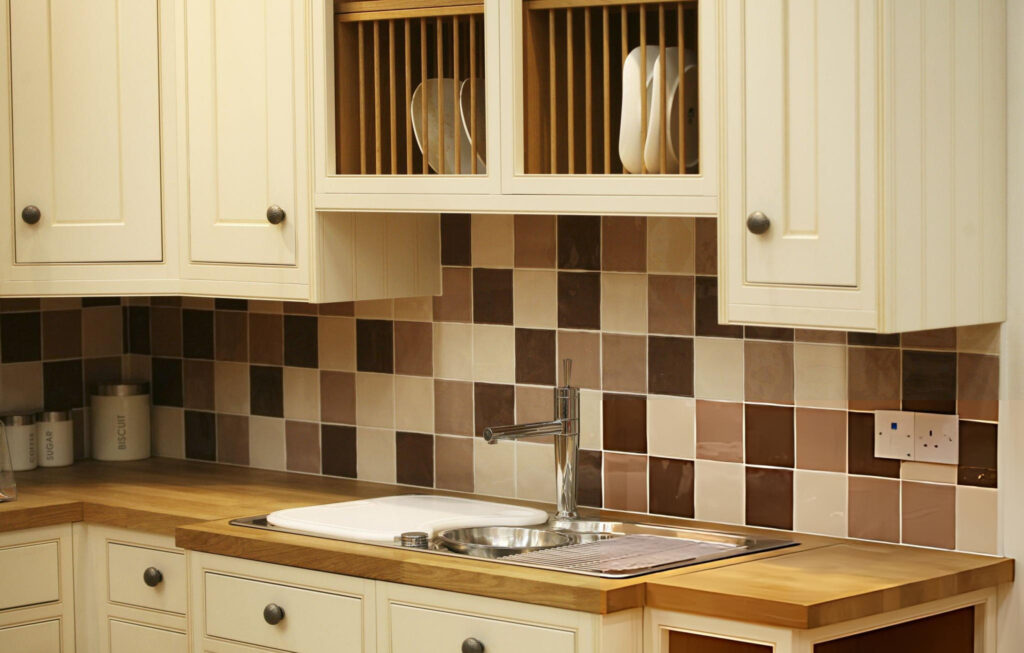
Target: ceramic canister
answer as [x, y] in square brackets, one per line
[21, 440]
[55, 438]
[120, 421]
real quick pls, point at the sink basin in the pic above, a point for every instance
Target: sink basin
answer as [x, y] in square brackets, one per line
[590, 530]
[500, 541]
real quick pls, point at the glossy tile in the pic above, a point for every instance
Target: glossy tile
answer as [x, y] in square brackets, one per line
[977, 520]
[625, 423]
[819, 336]
[931, 339]
[456, 239]
[534, 480]
[337, 343]
[821, 439]
[266, 391]
[21, 387]
[929, 382]
[338, 309]
[671, 487]
[338, 450]
[873, 339]
[454, 467]
[375, 342]
[413, 309]
[453, 351]
[718, 368]
[719, 430]
[535, 241]
[167, 382]
[978, 387]
[768, 333]
[874, 378]
[200, 435]
[591, 419]
[861, 448]
[491, 234]
[233, 439]
[928, 472]
[624, 363]
[493, 405]
[671, 425]
[199, 384]
[670, 245]
[706, 311]
[579, 300]
[705, 246]
[535, 356]
[102, 333]
[625, 482]
[375, 455]
[670, 304]
[165, 331]
[414, 404]
[414, 458]
[494, 468]
[820, 376]
[670, 366]
[61, 334]
[769, 497]
[929, 514]
[768, 372]
[375, 400]
[624, 302]
[301, 394]
[819, 504]
[579, 242]
[979, 449]
[337, 397]
[169, 432]
[536, 404]
[874, 508]
[414, 348]
[62, 385]
[584, 348]
[267, 443]
[266, 339]
[231, 336]
[196, 333]
[769, 435]
[300, 341]
[494, 353]
[591, 479]
[453, 407]
[979, 338]
[720, 493]
[535, 298]
[624, 243]
[231, 388]
[456, 301]
[492, 296]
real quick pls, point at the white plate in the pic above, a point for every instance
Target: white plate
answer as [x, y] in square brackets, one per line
[441, 98]
[631, 124]
[652, 148]
[465, 106]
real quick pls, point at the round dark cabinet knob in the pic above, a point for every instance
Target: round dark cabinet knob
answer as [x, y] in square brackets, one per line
[472, 645]
[31, 214]
[275, 214]
[152, 576]
[273, 614]
[758, 223]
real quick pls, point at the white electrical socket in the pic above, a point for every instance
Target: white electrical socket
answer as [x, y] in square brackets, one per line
[894, 434]
[937, 438]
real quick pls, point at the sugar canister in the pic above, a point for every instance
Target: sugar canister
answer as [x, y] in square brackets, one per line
[120, 421]
[21, 440]
[55, 438]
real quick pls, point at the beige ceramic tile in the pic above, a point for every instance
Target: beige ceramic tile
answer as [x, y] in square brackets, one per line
[819, 500]
[301, 394]
[494, 468]
[414, 309]
[265, 306]
[494, 353]
[718, 368]
[337, 343]
[670, 243]
[375, 309]
[21, 387]
[414, 404]
[928, 472]
[719, 493]
[624, 302]
[168, 432]
[453, 351]
[535, 404]
[375, 400]
[977, 519]
[591, 416]
[231, 388]
[535, 298]
[266, 442]
[980, 338]
[819, 375]
[493, 240]
[768, 372]
[375, 455]
[670, 427]
[534, 480]
[101, 331]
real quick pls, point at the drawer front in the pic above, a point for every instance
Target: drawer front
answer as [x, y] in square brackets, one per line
[29, 575]
[421, 630]
[127, 637]
[42, 637]
[313, 621]
[126, 566]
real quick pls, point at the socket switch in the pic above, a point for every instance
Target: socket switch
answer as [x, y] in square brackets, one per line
[937, 438]
[894, 434]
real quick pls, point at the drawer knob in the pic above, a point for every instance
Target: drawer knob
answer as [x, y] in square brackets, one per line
[275, 214]
[273, 614]
[472, 645]
[152, 576]
[31, 214]
[758, 223]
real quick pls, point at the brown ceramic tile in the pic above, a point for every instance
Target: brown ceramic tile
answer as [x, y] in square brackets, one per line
[706, 246]
[453, 407]
[591, 478]
[229, 304]
[720, 431]
[266, 390]
[493, 405]
[233, 439]
[535, 241]
[454, 458]
[198, 378]
[671, 487]
[165, 331]
[768, 372]
[302, 447]
[579, 242]
[768, 333]
[706, 311]
[874, 378]
[769, 431]
[456, 239]
[167, 382]
[165, 301]
[873, 339]
[23, 304]
[414, 348]
[492, 296]
[931, 339]
[338, 450]
[625, 423]
[769, 497]
[338, 397]
[375, 346]
[821, 439]
[624, 244]
[820, 337]
[625, 482]
[299, 308]
[197, 334]
[929, 382]
[62, 334]
[62, 385]
[584, 348]
[200, 435]
[19, 337]
[874, 508]
[670, 366]
[338, 309]
[533, 404]
[231, 330]
[301, 340]
[414, 458]
[266, 339]
[978, 454]
[579, 300]
[101, 370]
[861, 449]
[456, 302]
[670, 304]
[535, 356]
[929, 514]
[977, 387]
[624, 360]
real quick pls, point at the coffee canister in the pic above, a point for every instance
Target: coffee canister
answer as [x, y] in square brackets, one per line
[21, 440]
[120, 421]
[55, 438]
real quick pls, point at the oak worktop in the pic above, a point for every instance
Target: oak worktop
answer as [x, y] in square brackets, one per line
[821, 581]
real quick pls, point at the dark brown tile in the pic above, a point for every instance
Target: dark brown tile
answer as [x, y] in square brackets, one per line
[584, 348]
[671, 487]
[929, 382]
[456, 239]
[769, 497]
[535, 241]
[233, 439]
[873, 339]
[414, 348]
[670, 304]
[978, 454]
[625, 423]
[228, 304]
[861, 449]
[171, 301]
[165, 331]
[337, 309]
[231, 336]
[535, 356]
[579, 300]
[299, 308]
[167, 382]
[375, 346]
[492, 296]
[100, 370]
[87, 302]
[768, 371]
[266, 339]
[20, 340]
[493, 405]
[199, 384]
[873, 379]
[138, 330]
[197, 334]
[415, 458]
[23, 304]
[338, 450]
[453, 407]
[300, 341]
[820, 336]
[625, 482]
[623, 363]
[670, 366]
[266, 391]
[770, 439]
[200, 435]
[591, 477]
[768, 333]
[977, 387]
[302, 447]
[624, 244]
[454, 469]
[931, 339]
[706, 311]
[456, 302]
[338, 397]
[62, 334]
[62, 385]
[705, 260]
[579, 242]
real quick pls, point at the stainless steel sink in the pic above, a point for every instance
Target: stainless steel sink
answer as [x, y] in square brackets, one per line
[501, 541]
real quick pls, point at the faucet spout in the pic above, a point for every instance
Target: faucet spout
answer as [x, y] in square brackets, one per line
[492, 434]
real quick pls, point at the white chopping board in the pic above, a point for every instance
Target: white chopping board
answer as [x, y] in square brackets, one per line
[380, 521]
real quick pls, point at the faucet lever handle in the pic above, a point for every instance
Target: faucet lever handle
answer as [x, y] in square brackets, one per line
[566, 371]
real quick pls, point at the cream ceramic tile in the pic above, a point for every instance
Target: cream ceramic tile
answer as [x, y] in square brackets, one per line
[670, 245]
[375, 455]
[337, 343]
[624, 302]
[534, 480]
[718, 368]
[101, 331]
[493, 238]
[819, 375]
[267, 443]
[494, 353]
[168, 432]
[977, 519]
[719, 493]
[414, 309]
[979, 338]
[591, 417]
[670, 427]
[375, 309]
[453, 351]
[231, 388]
[535, 298]
[302, 394]
[375, 400]
[494, 468]
[819, 503]
[265, 306]
[928, 472]
[414, 404]
[21, 387]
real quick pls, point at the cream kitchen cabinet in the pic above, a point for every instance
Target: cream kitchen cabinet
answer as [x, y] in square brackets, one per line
[864, 163]
[37, 595]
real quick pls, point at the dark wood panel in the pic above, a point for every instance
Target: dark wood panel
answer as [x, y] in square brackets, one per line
[691, 643]
[952, 632]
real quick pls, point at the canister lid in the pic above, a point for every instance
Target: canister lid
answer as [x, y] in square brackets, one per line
[126, 389]
[18, 420]
[53, 416]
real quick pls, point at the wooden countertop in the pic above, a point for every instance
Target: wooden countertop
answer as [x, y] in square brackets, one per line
[819, 582]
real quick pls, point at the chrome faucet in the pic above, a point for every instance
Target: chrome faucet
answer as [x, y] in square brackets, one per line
[566, 429]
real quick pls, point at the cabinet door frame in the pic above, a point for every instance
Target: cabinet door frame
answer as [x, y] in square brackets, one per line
[62, 609]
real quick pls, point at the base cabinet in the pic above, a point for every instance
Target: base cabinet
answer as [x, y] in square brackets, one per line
[128, 637]
[40, 637]
[37, 597]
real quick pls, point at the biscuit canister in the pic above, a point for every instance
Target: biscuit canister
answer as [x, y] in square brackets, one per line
[120, 421]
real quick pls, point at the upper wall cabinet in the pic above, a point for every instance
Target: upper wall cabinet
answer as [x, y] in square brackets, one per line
[864, 163]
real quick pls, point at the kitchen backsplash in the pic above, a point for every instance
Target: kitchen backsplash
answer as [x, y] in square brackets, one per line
[681, 415]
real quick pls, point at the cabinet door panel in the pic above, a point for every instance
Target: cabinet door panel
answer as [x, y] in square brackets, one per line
[86, 125]
[245, 86]
[132, 638]
[42, 637]
[421, 630]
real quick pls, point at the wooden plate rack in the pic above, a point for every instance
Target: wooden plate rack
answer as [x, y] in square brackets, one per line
[384, 49]
[573, 56]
